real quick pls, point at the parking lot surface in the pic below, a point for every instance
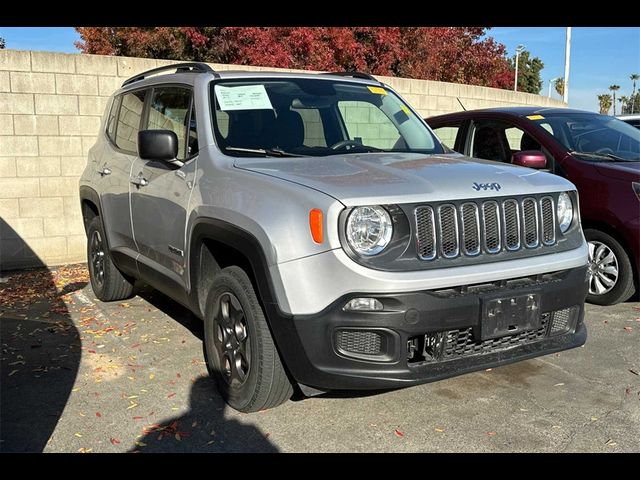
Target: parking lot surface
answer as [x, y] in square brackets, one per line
[78, 375]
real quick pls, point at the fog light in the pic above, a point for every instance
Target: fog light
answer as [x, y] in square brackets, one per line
[363, 304]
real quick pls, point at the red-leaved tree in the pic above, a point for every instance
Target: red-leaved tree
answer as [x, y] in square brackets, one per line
[451, 54]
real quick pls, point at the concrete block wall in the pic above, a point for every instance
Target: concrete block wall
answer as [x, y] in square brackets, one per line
[50, 110]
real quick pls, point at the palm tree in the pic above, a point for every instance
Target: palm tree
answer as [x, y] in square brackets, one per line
[605, 103]
[634, 77]
[624, 101]
[614, 88]
[560, 86]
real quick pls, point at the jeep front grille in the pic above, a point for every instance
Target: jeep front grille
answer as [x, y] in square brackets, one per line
[484, 226]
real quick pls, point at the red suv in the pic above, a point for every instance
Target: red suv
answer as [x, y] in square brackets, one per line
[598, 153]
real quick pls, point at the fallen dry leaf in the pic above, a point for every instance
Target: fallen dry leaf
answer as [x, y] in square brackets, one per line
[491, 434]
[398, 433]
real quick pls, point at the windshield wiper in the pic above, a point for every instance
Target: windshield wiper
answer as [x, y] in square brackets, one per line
[610, 156]
[268, 152]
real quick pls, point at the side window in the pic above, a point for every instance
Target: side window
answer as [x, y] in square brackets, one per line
[496, 140]
[168, 110]
[313, 128]
[112, 119]
[129, 121]
[448, 134]
[369, 125]
[514, 137]
[547, 126]
[222, 119]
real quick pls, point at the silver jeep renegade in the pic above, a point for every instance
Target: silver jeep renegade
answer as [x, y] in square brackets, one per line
[324, 234]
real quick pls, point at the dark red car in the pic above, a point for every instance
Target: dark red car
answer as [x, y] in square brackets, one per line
[598, 153]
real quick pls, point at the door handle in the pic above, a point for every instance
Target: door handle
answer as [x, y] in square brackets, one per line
[140, 181]
[104, 171]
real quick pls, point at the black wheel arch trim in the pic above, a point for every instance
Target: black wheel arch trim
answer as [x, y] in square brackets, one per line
[238, 239]
[280, 323]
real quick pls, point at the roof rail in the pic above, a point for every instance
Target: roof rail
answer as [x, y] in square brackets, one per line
[196, 67]
[364, 76]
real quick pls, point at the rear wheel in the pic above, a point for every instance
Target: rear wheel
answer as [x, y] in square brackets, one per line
[107, 282]
[610, 271]
[240, 352]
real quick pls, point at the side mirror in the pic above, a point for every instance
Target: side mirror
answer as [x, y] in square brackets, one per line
[529, 158]
[158, 145]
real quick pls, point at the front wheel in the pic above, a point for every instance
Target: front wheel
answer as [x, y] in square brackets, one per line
[610, 271]
[240, 352]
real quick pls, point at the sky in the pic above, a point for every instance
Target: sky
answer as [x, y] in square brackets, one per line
[600, 56]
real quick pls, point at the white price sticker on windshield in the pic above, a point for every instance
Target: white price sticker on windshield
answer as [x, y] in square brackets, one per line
[247, 97]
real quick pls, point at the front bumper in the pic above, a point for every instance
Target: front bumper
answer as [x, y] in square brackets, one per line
[336, 349]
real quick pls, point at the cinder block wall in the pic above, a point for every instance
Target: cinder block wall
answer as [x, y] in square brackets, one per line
[50, 109]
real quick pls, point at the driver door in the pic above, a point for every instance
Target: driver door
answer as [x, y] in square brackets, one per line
[160, 191]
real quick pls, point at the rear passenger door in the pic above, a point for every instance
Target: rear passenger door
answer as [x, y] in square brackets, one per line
[160, 192]
[113, 173]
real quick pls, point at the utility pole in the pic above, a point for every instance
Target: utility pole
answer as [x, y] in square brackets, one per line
[567, 55]
[519, 50]
[551, 81]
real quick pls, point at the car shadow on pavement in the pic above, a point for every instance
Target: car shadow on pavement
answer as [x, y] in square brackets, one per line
[203, 428]
[173, 309]
[40, 347]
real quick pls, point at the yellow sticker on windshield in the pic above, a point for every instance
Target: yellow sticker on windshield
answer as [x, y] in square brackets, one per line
[535, 117]
[405, 109]
[378, 90]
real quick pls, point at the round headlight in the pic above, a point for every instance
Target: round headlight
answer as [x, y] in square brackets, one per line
[564, 211]
[369, 230]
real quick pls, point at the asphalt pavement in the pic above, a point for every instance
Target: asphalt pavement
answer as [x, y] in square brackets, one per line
[78, 375]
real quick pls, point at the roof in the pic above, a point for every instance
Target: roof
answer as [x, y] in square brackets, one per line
[530, 110]
[509, 111]
[187, 72]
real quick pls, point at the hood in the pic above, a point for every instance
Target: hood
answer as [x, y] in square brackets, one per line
[620, 170]
[383, 178]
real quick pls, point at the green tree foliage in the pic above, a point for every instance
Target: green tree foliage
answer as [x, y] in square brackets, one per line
[559, 86]
[2, 43]
[605, 101]
[624, 101]
[633, 105]
[529, 69]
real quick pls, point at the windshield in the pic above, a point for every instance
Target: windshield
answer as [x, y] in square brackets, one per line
[592, 136]
[314, 117]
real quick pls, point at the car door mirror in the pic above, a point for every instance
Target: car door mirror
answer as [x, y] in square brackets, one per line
[530, 158]
[161, 145]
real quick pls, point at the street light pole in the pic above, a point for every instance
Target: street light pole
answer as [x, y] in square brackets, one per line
[551, 80]
[567, 55]
[519, 50]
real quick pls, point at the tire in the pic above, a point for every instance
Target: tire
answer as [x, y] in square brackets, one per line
[107, 282]
[243, 339]
[603, 247]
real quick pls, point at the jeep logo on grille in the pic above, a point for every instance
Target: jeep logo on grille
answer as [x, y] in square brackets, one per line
[486, 186]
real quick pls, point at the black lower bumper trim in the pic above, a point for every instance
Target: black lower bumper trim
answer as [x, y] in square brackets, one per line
[312, 350]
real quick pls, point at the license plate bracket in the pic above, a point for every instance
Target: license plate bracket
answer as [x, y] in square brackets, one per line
[509, 315]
